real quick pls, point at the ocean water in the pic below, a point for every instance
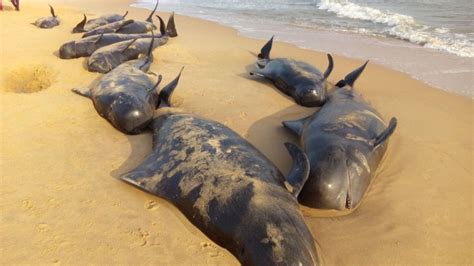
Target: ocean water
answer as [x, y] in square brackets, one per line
[432, 40]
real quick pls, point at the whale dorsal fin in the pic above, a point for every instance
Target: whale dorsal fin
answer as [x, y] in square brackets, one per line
[299, 171]
[162, 26]
[352, 77]
[150, 17]
[80, 26]
[296, 126]
[128, 45]
[330, 67]
[52, 11]
[382, 137]
[99, 38]
[171, 27]
[165, 93]
[266, 49]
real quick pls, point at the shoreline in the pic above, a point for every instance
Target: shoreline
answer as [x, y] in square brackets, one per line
[62, 203]
[447, 72]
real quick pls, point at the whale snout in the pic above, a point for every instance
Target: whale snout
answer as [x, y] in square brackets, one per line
[312, 97]
[130, 119]
[67, 51]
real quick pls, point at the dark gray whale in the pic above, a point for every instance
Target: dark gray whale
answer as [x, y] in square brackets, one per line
[47, 22]
[300, 80]
[345, 142]
[228, 189]
[87, 46]
[126, 96]
[85, 25]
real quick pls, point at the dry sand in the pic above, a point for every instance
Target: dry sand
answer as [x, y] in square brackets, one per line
[60, 202]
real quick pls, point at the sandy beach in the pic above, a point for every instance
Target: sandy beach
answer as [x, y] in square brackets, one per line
[60, 200]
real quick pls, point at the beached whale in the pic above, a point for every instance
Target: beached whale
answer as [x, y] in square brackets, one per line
[108, 28]
[345, 142]
[107, 58]
[126, 96]
[47, 22]
[228, 189]
[87, 46]
[85, 25]
[139, 26]
[300, 80]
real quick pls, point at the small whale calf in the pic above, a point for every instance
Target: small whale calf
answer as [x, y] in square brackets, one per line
[47, 22]
[300, 80]
[126, 96]
[345, 142]
[228, 189]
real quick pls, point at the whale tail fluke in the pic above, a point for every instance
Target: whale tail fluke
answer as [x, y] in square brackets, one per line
[352, 77]
[330, 67]
[171, 26]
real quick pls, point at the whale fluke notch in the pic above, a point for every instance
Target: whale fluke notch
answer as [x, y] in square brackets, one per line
[265, 51]
[162, 26]
[150, 17]
[386, 133]
[330, 67]
[352, 77]
[171, 26]
[299, 171]
[52, 11]
[80, 26]
[165, 93]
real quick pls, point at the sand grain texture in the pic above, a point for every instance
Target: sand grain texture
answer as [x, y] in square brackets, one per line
[60, 202]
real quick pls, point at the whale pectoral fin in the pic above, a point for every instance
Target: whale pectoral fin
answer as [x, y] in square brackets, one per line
[295, 126]
[330, 67]
[299, 171]
[386, 133]
[165, 94]
[83, 92]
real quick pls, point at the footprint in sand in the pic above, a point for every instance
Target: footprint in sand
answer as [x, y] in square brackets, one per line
[29, 79]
